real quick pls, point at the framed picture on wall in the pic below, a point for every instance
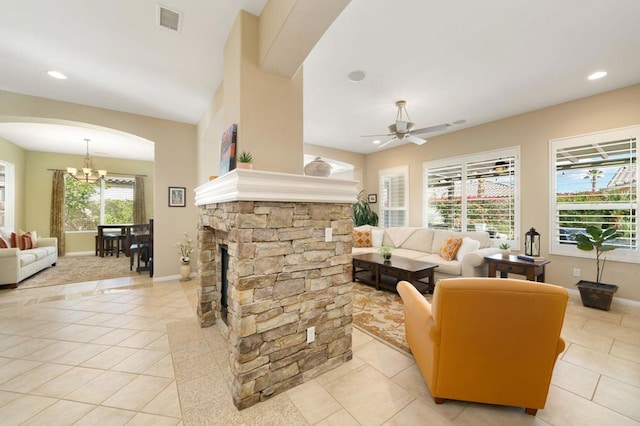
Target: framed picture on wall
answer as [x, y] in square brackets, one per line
[373, 198]
[177, 196]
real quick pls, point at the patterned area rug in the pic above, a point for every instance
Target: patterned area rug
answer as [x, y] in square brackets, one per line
[80, 269]
[380, 312]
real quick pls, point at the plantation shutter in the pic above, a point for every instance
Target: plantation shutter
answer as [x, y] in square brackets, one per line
[474, 193]
[444, 197]
[490, 196]
[394, 197]
[595, 184]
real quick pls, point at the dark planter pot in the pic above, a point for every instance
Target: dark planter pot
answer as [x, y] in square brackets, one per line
[596, 295]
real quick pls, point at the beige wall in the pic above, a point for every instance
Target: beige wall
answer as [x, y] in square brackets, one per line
[15, 155]
[532, 132]
[267, 107]
[175, 161]
[39, 190]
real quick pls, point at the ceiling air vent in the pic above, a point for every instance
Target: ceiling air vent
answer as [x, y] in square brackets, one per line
[168, 18]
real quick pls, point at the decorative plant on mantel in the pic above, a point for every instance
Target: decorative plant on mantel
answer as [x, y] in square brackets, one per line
[244, 160]
[595, 238]
[597, 294]
[245, 157]
[362, 213]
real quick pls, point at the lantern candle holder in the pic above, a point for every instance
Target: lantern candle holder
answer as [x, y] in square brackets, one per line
[532, 243]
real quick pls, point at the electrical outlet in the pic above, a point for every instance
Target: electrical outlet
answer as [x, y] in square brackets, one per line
[311, 334]
[576, 272]
[328, 235]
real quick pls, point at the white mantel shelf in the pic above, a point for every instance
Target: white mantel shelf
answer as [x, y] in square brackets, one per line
[257, 185]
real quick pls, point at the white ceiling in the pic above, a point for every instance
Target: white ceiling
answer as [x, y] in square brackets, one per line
[453, 60]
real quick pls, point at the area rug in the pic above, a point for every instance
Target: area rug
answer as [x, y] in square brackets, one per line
[380, 313]
[79, 269]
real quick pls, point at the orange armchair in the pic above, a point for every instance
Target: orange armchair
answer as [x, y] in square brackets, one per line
[488, 340]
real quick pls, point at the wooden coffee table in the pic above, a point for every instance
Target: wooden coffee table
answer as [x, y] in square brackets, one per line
[371, 268]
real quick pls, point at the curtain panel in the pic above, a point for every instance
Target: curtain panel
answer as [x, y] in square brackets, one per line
[56, 219]
[139, 213]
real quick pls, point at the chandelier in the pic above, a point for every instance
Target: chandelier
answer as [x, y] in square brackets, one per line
[87, 173]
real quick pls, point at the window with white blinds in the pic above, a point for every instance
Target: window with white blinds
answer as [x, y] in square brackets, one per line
[474, 193]
[594, 182]
[393, 197]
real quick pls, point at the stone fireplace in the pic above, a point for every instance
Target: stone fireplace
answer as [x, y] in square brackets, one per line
[287, 242]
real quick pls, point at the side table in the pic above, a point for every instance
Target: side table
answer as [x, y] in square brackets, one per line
[534, 271]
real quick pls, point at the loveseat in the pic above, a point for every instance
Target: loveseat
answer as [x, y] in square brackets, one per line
[425, 244]
[16, 264]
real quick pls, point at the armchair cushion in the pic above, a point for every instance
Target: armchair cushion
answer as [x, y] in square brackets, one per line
[486, 340]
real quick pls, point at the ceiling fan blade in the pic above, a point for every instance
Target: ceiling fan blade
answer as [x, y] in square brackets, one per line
[385, 143]
[414, 139]
[371, 136]
[431, 129]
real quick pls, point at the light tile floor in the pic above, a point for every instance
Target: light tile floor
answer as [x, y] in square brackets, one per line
[130, 351]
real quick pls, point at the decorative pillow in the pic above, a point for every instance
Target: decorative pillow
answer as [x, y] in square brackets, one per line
[3, 243]
[468, 245]
[26, 242]
[376, 237]
[362, 237]
[450, 248]
[14, 240]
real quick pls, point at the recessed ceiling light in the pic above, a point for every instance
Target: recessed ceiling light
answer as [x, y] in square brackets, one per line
[596, 75]
[376, 142]
[57, 74]
[356, 76]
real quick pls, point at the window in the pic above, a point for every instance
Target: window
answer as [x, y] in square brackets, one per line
[474, 193]
[6, 195]
[394, 197]
[594, 182]
[106, 202]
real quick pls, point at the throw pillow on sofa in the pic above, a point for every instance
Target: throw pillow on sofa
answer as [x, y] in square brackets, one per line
[3, 243]
[468, 245]
[27, 240]
[362, 238]
[450, 248]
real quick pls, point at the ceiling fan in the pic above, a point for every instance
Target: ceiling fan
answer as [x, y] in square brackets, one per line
[403, 128]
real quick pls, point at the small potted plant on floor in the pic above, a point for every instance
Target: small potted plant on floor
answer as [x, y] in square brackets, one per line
[244, 160]
[597, 294]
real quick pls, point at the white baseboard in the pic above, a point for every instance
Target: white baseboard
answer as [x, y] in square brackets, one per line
[80, 253]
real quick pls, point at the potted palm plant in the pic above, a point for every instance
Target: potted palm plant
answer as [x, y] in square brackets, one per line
[597, 294]
[362, 213]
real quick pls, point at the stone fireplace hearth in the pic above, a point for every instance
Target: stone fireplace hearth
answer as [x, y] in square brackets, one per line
[289, 282]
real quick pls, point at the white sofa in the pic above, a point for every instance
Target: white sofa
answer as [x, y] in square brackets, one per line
[16, 264]
[424, 244]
